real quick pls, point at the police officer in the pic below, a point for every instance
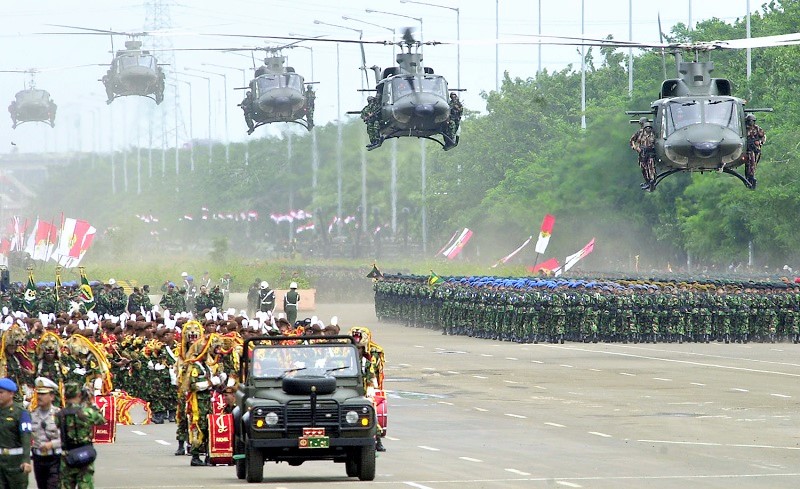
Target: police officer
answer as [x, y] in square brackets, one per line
[46, 436]
[290, 301]
[266, 297]
[15, 439]
[75, 422]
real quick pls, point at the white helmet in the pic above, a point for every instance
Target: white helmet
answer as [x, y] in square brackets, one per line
[293, 285]
[264, 284]
[111, 281]
[184, 274]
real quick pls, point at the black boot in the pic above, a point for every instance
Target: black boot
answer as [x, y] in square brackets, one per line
[181, 448]
[196, 462]
[208, 461]
[171, 416]
[379, 445]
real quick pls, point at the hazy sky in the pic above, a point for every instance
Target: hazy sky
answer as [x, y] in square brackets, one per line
[84, 121]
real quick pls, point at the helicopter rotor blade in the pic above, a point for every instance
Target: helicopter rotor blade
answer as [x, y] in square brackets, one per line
[317, 39]
[661, 40]
[88, 29]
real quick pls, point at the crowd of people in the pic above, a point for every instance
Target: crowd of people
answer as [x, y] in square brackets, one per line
[173, 360]
[533, 310]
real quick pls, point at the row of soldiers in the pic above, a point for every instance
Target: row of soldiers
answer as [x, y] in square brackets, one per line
[108, 298]
[555, 310]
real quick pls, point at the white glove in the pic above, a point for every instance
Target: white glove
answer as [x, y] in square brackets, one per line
[223, 377]
[150, 365]
[173, 377]
[215, 381]
[370, 392]
[79, 370]
[159, 367]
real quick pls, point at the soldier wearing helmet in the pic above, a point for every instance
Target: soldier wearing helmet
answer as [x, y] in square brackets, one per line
[371, 115]
[755, 139]
[290, 301]
[266, 297]
[643, 142]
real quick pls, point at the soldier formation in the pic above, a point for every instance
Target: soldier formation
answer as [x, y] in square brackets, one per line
[533, 310]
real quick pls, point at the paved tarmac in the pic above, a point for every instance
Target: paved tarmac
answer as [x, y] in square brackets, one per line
[471, 413]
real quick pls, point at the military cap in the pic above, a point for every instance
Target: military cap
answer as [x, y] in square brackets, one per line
[45, 386]
[7, 384]
[71, 389]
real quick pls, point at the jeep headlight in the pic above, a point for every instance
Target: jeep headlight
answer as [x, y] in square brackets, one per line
[271, 419]
[351, 417]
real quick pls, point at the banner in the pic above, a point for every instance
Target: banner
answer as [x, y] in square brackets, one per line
[29, 302]
[548, 266]
[42, 240]
[375, 273]
[511, 255]
[575, 258]
[449, 242]
[220, 443]
[106, 432]
[544, 233]
[455, 249]
[434, 279]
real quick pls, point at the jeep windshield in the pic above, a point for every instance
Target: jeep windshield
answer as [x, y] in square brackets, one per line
[280, 361]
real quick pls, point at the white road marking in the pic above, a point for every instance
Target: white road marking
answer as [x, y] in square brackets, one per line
[481, 409]
[536, 361]
[453, 372]
[688, 362]
[555, 425]
[511, 358]
[710, 444]
[597, 433]
[565, 365]
[162, 442]
[697, 384]
[516, 416]
[419, 346]
[392, 438]
[470, 459]
[739, 390]
[414, 484]
[429, 368]
[781, 395]
[428, 448]
[486, 355]
[480, 377]
[446, 403]
[511, 382]
[595, 370]
[662, 379]
[568, 484]
[518, 472]
[140, 433]
[540, 387]
[626, 373]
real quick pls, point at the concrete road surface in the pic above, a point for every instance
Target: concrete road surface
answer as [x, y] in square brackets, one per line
[470, 413]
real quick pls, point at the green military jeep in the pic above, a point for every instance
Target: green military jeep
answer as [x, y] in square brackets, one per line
[302, 400]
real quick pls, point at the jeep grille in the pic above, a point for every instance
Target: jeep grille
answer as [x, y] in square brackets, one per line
[298, 416]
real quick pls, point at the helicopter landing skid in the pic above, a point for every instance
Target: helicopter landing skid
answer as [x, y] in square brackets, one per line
[662, 175]
[747, 183]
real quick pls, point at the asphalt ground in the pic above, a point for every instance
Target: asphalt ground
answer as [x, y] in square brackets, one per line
[472, 413]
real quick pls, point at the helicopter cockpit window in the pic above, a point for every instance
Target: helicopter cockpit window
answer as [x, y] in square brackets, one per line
[146, 61]
[402, 86]
[265, 83]
[434, 84]
[722, 112]
[681, 114]
[292, 80]
[124, 62]
[32, 96]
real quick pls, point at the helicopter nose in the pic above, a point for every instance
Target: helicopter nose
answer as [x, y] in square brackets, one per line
[423, 110]
[705, 149]
[282, 101]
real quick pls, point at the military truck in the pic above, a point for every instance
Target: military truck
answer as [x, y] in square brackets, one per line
[301, 399]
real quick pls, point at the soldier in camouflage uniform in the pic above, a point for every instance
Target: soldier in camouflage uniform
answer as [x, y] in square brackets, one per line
[76, 421]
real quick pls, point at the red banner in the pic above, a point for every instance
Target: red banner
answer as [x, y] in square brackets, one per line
[106, 432]
[379, 400]
[220, 443]
[217, 403]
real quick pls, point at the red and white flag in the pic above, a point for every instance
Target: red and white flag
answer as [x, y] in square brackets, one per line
[42, 240]
[511, 255]
[455, 249]
[545, 232]
[576, 257]
[548, 266]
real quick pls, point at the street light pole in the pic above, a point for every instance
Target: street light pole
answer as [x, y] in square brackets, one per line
[314, 150]
[244, 84]
[225, 111]
[208, 82]
[191, 127]
[458, 32]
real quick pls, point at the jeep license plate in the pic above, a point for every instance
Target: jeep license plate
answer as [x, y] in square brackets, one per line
[314, 438]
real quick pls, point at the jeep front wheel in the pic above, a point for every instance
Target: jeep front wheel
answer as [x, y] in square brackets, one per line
[366, 463]
[241, 468]
[254, 464]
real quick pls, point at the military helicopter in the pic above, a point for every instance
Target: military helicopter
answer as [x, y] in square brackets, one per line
[278, 94]
[31, 104]
[133, 70]
[698, 124]
[413, 100]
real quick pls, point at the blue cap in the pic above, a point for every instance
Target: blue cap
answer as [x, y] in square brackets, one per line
[7, 384]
